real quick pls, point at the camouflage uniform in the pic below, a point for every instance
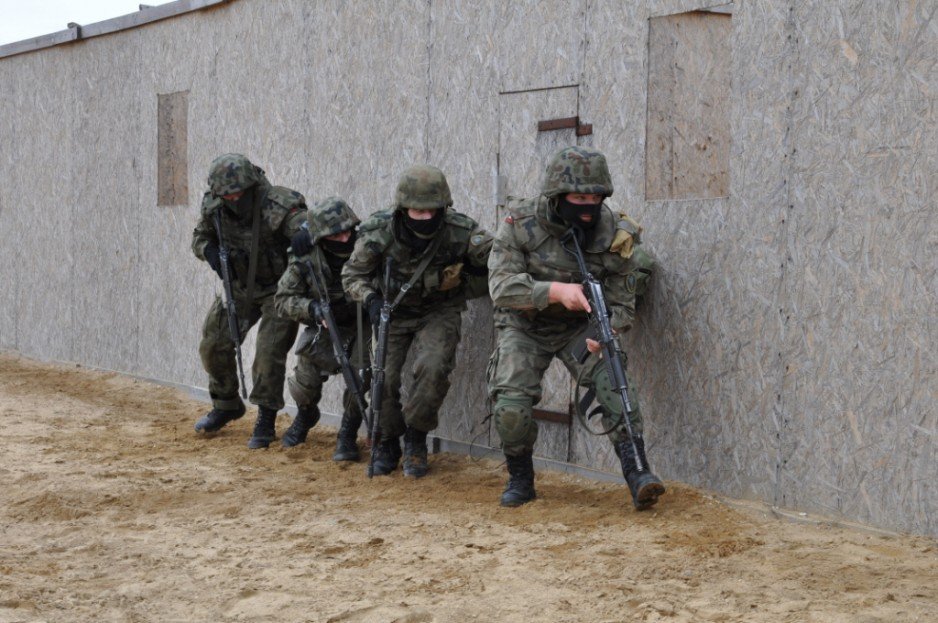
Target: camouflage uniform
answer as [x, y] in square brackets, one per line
[427, 320]
[527, 256]
[297, 298]
[282, 212]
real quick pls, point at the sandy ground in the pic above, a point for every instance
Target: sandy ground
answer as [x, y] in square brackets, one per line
[112, 509]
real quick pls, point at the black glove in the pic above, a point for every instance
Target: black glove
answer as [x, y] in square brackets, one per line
[314, 311]
[373, 304]
[213, 258]
[475, 271]
[301, 244]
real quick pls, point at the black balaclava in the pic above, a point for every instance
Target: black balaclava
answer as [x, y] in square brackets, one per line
[337, 252]
[243, 208]
[570, 213]
[412, 232]
[426, 227]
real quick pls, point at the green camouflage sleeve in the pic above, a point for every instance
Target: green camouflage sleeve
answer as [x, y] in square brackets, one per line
[204, 231]
[293, 221]
[620, 300]
[509, 282]
[363, 266]
[293, 293]
[480, 247]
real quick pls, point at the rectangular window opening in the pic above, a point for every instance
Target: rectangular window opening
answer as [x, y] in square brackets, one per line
[687, 133]
[172, 152]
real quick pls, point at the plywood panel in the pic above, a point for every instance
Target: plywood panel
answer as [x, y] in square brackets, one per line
[688, 125]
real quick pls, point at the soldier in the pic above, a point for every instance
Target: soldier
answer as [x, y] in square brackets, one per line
[257, 223]
[439, 260]
[332, 236]
[541, 311]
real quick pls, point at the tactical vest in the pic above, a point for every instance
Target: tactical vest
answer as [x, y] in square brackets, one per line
[272, 244]
[427, 292]
[607, 250]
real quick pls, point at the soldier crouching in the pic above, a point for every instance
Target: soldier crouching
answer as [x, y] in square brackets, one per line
[332, 234]
[438, 257]
[541, 313]
[254, 221]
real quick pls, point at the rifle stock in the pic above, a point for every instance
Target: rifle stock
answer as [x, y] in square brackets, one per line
[234, 329]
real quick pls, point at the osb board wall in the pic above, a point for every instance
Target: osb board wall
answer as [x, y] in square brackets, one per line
[783, 352]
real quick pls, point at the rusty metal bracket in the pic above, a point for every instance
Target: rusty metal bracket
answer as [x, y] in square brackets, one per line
[552, 416]
[565, 123]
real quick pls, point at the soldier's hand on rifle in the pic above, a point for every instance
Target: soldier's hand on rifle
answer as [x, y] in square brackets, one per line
[315, 312]
[593, 346]
[373, 305]
[213, 258]
[570, 295]
[301, 243]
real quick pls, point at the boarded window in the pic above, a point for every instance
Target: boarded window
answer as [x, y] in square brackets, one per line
[172, 155]
[687, 138]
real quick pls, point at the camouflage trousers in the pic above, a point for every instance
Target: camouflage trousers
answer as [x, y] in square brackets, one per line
[514, 374]
[432, 339]
[315, 363]
[275, 336]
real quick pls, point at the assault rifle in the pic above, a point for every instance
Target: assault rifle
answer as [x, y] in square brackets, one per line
[377, 365]
[324, 308]
[233, 327]
[611, 352]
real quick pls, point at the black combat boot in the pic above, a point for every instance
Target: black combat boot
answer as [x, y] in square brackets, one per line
[306, 418]
[264, 432]
[520, 489]
[387, 456]
[346, 442]
[216, 419]
[644, 485]
[415, 453]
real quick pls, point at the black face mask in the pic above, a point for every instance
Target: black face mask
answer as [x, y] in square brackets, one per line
[243, 208]
[571, 212]
[425, 228]
[340, 249]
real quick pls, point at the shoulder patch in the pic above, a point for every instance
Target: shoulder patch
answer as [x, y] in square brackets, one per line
[477, 239]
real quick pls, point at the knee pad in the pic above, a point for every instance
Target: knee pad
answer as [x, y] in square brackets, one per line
[611, 402]
[303, 396]
[513, 419]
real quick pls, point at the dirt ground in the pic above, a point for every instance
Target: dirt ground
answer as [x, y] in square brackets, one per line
[112, 509]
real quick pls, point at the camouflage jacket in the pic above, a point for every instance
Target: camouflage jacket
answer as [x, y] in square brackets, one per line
[297, 289]
[527, 256]
[443, 283]
[283, 212]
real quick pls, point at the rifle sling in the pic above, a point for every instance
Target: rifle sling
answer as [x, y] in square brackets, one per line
[255, 241]
[420, 269]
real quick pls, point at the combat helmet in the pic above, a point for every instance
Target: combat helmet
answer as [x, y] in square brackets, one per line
[423, 187]
[577, 170]
[330, 216]
[232, 173]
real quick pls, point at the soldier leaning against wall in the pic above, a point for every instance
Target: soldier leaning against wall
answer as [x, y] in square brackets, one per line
[440, 255]
[332, 233]
[257, 223]
[541, 312]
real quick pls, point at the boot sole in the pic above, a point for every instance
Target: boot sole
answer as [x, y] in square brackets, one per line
[516, 504]
[648, 496]
[346, 458]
